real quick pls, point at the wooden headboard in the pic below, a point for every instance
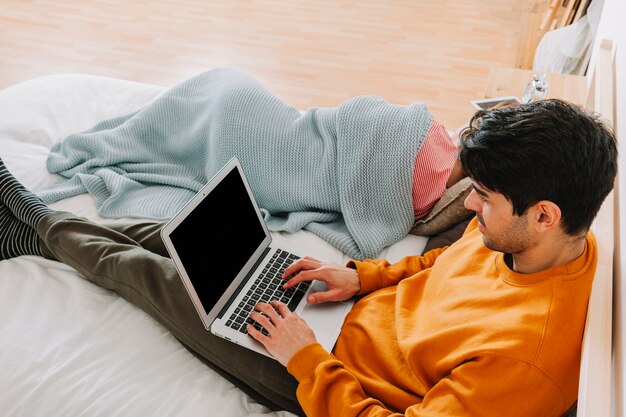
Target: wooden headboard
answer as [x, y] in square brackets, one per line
[594, 392]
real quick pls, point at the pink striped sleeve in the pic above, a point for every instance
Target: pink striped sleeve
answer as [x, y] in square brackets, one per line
[433, 164]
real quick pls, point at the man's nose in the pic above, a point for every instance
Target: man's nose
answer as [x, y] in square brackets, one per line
[472, 202]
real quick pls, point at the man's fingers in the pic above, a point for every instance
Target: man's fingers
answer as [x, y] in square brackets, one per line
[262, 319]
[256, 334]
[303, 263]
[281, 308]
[269, 310]
[295, 280]
[322, 297]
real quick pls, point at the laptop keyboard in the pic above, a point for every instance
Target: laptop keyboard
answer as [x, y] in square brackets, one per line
[268, 287]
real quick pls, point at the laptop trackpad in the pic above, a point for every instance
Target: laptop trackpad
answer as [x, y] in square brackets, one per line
[325, 319]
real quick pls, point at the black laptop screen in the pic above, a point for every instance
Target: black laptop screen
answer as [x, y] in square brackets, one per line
[217, 239]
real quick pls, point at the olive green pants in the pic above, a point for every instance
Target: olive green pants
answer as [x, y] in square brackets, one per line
[131, 260]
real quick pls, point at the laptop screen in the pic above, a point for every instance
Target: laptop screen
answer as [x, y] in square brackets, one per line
[228, 230]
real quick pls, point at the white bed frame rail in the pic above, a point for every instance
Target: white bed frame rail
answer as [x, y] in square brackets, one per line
[594, 392]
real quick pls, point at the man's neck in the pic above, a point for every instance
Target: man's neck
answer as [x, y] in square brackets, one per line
[548, 255]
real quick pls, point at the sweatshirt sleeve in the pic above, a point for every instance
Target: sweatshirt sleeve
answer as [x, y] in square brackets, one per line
[489, 386]
[379, 273]
[326, 388]
[375, 274]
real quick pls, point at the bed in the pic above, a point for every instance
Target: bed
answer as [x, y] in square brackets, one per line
[70, 348]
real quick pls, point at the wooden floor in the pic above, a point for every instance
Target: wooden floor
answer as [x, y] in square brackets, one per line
[310, 53]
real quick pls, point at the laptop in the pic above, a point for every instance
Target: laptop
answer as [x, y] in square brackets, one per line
[228, 262]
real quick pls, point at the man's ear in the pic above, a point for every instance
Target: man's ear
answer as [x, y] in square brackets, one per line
[547, 215]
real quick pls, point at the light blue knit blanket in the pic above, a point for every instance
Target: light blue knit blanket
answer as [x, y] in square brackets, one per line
[343, 173]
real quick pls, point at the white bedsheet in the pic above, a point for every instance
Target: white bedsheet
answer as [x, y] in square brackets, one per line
[68, 347]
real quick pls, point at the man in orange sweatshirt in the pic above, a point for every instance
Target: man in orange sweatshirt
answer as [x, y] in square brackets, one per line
[490, 326]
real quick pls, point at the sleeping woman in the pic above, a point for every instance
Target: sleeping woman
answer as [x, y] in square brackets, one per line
[358, 175]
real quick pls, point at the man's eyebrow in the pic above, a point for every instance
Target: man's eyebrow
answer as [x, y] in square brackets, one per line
[479, 191]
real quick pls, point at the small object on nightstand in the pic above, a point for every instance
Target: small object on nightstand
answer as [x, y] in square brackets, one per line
[536, 89]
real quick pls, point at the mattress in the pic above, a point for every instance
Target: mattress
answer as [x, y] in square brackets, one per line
[70, 348]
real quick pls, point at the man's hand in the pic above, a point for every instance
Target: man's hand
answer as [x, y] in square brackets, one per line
[342, 282]
[288, 333]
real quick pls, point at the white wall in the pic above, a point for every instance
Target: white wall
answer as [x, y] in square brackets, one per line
[612, 26]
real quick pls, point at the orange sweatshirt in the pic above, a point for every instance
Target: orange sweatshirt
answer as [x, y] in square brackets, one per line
[453, 333]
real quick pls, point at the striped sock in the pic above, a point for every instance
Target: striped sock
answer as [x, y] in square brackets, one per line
[16, 238]
[24, 205]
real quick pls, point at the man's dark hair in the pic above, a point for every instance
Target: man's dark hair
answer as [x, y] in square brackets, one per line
[546, 150]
